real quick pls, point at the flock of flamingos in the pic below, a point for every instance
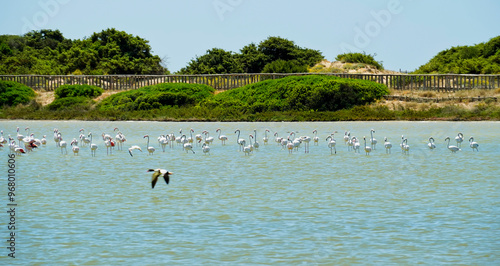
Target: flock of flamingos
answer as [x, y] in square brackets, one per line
[21, 144]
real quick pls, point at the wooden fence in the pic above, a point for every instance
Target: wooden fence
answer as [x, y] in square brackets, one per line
[441, 82]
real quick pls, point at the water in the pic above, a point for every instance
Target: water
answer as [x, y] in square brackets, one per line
[272, 207]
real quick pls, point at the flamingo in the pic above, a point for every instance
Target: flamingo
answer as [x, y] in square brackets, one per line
[56, 137]
[346, 136]
[256, 144]
[249, 148]
[107, 143]
[62, 143]
[350, 143]
[187, 146]
[44, 140]
[74, 147]
[150, 149]
[315, 138]
[190, 139]
[163, 140]
[265, 139]
[331, 144]
[208, 139]
[134, 147]
[277, 139]
[452, 148]
[93, 146]
[222, 138]
[473, 144]
[406, 147]
[178, 139]
[459, 139]
[19, 136]
[199, 138]
[368, 149]
[156, 173]
[288, 144]
[205, 148]
[241, 142]
[431, 144]
[355, 144]
[306, 140]
[2, 139]
[120, 138]
[387, 145]
[373, 140]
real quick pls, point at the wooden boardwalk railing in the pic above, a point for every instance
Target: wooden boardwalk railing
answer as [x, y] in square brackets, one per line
[439, 82]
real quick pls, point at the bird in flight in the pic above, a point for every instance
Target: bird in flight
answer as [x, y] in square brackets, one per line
[157, 173]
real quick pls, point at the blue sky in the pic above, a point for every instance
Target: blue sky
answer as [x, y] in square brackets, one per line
[403, 34]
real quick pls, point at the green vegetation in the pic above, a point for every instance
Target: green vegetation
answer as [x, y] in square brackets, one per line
[299, 93]
[74, 97]
[78, 90]
[13, 93]
[256, 59]
[361, 58]
[47, 52]
[483, 58]
[157, 96]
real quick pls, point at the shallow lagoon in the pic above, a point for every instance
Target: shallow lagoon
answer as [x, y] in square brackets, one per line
[271, 207]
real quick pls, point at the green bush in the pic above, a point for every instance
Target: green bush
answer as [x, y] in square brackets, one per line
[282, 66]
[359, 58]
[78, 90]
[67, 103]
[14, 93]
[300, 93]
[157, 96]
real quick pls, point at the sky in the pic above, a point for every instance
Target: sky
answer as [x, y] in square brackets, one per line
[402, 34]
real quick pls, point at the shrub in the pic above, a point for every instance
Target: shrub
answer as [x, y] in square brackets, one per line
[78, 90]
[300, 93]
[14, 93]
[282, 66]
[157, 96]
[68, 103]
[359, 58]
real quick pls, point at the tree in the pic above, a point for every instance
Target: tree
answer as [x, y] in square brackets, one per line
[252, 60]
[215, 61]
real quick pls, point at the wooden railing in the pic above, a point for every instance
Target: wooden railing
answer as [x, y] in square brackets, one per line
[440, 82]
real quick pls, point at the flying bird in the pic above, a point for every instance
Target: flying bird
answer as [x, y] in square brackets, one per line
[157, 173]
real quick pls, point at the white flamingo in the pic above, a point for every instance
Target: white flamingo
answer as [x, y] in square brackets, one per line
[256, 144]
[93, 146]
[306, 140]
[249, 148]
[387, 145]
[355, 144]
[163, 141]
[222, 138]
[451, 148]
[431, 144]
[62, 143]
[205, 148]
[19, 136]
[241, 142]
[134, 147]
[44, 140]
[74, 147]
[315, 138]
[208, 139]
[332, 144]
[2, 139]
[368, 149]
[373, 141]
[56, 137]
[107, 143]
[150, 149]
[347, 136]
[459, 139]
[474, 145]
[265, 139]
[120, 138]
[405, 147]
[187, 146]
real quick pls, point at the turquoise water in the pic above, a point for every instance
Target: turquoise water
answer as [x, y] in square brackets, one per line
[271, 207]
